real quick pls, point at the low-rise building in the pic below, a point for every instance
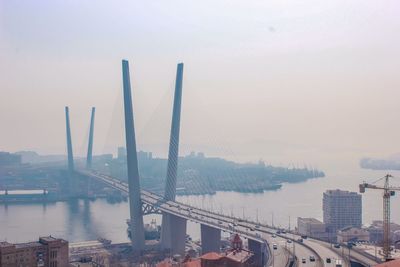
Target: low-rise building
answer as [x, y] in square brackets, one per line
[236, 256]
[352, 234]
[312, 227]
[47, 252]
[376, 231]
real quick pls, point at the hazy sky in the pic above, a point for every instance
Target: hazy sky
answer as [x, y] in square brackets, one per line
[284, 81]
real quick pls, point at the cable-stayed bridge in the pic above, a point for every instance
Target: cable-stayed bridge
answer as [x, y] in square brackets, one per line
[156, 204]
[175, 215]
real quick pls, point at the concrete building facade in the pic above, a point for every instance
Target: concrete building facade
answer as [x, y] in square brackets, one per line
[312, 227]
[352, 234]
[47, 252]
[376, 231]
[341, 209]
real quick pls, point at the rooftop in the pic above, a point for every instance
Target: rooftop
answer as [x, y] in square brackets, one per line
[23, 192]
[5, 244]
[339, 192]
[42, 241]
[310, 220]
[211, 256]
[351, 229]
[239, 255]
[48, 238]
[28, 245]
[393, 263]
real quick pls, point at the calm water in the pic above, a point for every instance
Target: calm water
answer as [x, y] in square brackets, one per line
[87, 220]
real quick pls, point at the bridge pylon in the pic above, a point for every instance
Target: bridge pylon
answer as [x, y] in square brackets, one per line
[173, 229]
[90, 143]
[69, 142]
[71, 168]
[135, 202]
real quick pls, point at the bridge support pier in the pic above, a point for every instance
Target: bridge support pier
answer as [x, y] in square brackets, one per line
[135, 202]
[260, 252]
[210, 239]
[173, 233]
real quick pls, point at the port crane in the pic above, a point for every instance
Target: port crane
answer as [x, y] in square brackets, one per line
[388, 191]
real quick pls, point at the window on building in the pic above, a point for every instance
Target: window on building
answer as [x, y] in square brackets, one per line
[53, 254]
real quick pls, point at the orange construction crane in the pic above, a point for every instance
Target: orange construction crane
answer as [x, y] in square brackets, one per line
[388, 191]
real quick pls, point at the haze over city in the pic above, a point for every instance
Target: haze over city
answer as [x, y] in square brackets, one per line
[292, 83]
[199, 134]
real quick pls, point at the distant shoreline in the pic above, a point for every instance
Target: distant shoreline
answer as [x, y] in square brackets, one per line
[379, 164]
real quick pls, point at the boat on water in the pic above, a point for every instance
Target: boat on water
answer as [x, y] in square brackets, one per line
[104, 241]
[152, 231]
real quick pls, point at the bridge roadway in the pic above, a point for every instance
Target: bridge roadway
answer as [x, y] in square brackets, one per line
[255, 231]
[179, 209]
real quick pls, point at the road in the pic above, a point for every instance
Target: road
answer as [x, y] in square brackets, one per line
[247, 229]
[280, 255]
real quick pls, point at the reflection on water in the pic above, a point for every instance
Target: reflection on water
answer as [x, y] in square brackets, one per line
[79, 220]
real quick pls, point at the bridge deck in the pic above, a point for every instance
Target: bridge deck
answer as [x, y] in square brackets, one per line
[247, 229]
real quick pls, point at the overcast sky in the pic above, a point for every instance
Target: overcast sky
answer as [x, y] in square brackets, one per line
[284, 81]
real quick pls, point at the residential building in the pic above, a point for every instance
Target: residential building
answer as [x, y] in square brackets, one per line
[47, 252]
[341, 209]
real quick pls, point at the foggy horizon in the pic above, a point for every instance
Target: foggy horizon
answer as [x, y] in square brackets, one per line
[292, 109]
[311, 82]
